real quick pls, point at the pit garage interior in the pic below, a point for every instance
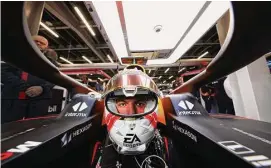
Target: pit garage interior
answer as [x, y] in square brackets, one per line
[135, 84]
[89, 47]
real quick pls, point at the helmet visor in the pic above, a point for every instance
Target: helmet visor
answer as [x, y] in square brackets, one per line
[137, 105]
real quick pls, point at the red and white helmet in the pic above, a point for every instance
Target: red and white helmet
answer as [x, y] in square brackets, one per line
[131, 99]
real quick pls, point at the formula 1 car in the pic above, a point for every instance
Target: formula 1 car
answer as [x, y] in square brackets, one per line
[132, 125]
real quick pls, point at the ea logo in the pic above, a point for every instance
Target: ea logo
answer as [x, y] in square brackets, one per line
[131, 138]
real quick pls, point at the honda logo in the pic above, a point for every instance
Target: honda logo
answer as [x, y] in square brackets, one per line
[186, 105]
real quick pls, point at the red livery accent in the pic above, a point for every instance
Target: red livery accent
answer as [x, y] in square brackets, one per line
[110, 120]
[24, 76]
[152, 118]
[95, 151]
[6, 155]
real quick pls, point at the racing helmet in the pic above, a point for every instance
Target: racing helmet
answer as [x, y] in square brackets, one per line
[131, 99]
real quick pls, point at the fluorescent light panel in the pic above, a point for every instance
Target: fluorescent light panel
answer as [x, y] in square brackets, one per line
[181, 69]
[167, 70]
[140, 25]
[203, 55]
[84, 20]
[114, 31]
[214, 11]
[170, 77]
[110, 59]
[160, 77]
[85, 58]
[64, 59]
[109, 17]
[49, 30]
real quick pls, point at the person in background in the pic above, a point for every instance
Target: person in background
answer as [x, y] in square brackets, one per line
[51, 55]
[24, 95]
[84, 79]
[41, 42]
[207, 95]
[178, 82]
[223, 97]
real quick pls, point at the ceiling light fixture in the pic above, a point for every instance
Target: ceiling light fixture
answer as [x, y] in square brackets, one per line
[173, 81]
[150, 71]
[209, 17]
[156, 31]
[69, 62]
[167, 70]
[160, 77]
[164, 81]
[115, 35]
[84, 20]
[113, 31]
[85, 58]
[170, 77]
[49, 30]
[110, 59]
[203, 55]
[181, 70]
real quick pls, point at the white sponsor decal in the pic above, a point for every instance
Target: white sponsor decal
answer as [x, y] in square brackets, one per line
[69, 136]
[187, 106]
[75, 115]
[52, 109]
[66, 139]
[189, 113]
[24, 147]
[83, 106]
[131, 145]
[237, 148]
[184, 131]
[77, 108]
[253, 136]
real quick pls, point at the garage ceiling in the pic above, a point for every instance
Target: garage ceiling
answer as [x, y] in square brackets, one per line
[75, 40]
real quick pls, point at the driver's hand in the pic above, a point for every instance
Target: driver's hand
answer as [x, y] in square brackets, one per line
[34, 91]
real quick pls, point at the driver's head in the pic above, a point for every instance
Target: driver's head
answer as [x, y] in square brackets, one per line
[131, 99]
[41, 42]
[130, 106]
